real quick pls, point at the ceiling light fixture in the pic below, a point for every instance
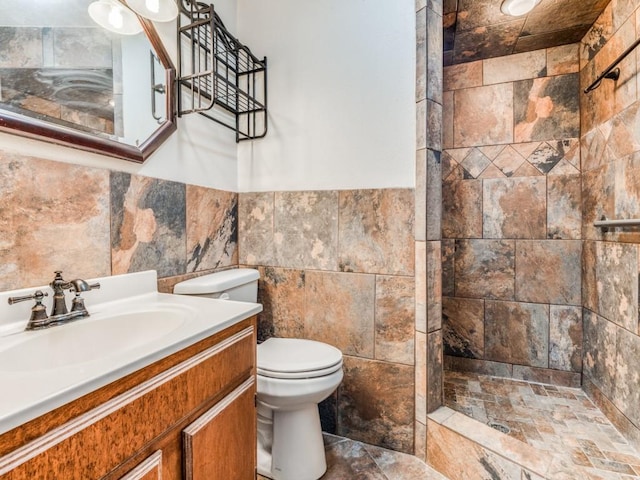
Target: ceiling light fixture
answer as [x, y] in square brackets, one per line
[119, 18]
[156, 10]
[516, 8]
[115, 17]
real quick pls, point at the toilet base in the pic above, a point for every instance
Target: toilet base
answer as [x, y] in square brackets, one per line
[296, 451]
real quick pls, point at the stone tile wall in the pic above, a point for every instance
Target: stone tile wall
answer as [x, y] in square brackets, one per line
[338, 267]
[512, 216]
[90, 222]
[428, 214]
[610, 143]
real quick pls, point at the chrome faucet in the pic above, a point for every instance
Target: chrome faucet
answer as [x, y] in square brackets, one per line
[59, 313]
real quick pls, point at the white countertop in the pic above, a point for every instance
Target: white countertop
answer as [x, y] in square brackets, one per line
[33, 383]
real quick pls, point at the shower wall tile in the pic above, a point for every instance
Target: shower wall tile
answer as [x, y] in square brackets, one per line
[463, 75]
[589, 287]
[564, 207]
[519, 66]
[565, 338]
[435, 379]
[434, 54]
[366, 415]
[421, 378]
[517, 333]
[434, 285]
[282, 295]
[548, 271]
[485, 269]
[46, 227]
[463, 327]
[212, 222]
[461, 206]
[514, 208]
[618, 295]
[627, 187]
[256, 228]
[546, 108]
[376, 231]
[434, 195]
[597, 199]
[483, 115]
[626, 393]
[600, 342]
[563, 59]
[148, 225]
[422, 287]
[421, 54]
[394, 319]
[447, 119]
[340, 311]
[448, 267]
[306, 229]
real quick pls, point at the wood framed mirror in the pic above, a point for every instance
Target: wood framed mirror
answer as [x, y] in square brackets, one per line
[66, 80]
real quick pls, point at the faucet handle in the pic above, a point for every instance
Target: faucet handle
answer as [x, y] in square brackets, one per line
[39, 316]
[38, 295]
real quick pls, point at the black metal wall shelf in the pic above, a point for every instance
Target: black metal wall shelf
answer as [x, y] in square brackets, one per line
[219, 77]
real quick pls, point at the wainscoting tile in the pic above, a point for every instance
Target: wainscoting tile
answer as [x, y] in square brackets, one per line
[44, 202]
[340, 311]
[212, 236]
[255, 228]
[282, 294]
[148, 225]
[367, 415]
[376, 231]
[394, 314]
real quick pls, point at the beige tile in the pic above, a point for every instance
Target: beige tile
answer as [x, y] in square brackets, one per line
[340, 311]
[36, 211]
[376, 231]
[515, 67]
[394, 319]
[563, 59]
[306, 229]
[255, 228]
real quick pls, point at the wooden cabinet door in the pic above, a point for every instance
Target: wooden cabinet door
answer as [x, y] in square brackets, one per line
[221, 444]
[150, 469]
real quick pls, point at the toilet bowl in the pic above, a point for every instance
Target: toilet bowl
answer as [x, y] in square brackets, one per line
[293, 376]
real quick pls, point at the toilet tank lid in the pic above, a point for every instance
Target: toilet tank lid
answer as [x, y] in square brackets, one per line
[217, 282]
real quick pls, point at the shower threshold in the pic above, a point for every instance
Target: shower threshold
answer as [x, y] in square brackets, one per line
[559, 423]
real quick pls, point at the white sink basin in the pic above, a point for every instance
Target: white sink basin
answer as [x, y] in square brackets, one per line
[88, 339]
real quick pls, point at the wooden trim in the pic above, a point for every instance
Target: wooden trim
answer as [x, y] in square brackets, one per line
[154, 462]
[67, 430]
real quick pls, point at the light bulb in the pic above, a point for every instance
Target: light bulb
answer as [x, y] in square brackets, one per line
[153, 5]
[115, 17]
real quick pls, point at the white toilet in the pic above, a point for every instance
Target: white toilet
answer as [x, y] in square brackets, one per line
[293, 376]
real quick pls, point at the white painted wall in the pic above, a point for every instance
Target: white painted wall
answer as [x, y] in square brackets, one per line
[341, 94]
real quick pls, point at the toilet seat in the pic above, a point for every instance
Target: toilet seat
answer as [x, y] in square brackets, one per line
[294, 358]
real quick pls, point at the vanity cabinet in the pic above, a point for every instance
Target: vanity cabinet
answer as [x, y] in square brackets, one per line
[190, 415]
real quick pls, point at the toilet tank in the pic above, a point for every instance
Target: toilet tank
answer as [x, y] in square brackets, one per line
[240, 284]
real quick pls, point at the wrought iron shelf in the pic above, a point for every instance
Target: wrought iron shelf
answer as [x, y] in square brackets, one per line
[219, 77]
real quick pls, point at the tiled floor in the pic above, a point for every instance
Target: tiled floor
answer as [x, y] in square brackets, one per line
[554, 419]
[350, 460]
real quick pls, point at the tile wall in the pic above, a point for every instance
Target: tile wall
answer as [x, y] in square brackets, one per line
[90, 222]
[428, 214]
[512, 216]
[610, 143]
[338, 267]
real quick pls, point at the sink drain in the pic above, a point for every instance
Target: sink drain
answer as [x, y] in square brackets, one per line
[499, 426]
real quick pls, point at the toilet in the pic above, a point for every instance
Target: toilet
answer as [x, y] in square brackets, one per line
[293, 376]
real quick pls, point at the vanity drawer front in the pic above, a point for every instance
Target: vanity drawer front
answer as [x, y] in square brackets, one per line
[93, 444]
[150, 469]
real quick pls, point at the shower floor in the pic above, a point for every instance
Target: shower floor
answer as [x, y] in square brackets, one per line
[559, 420]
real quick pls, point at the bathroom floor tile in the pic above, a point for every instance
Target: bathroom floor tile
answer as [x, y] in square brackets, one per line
[559, 420]
[348, 459]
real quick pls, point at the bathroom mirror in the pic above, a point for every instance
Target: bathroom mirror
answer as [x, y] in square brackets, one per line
[67, 80]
